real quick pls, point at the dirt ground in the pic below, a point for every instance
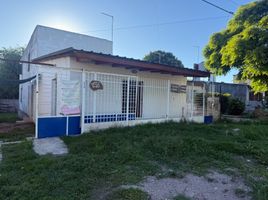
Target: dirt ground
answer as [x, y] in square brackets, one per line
[209, 187]
[9, 127]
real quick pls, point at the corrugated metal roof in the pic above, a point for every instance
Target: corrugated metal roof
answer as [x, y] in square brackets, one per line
[118, 61]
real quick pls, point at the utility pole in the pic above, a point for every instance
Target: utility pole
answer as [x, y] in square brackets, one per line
[198, 51]
[112, 28]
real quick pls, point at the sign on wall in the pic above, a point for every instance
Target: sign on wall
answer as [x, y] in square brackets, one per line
[95, 85]
[175, 88]
[70, 97]
[182, 88]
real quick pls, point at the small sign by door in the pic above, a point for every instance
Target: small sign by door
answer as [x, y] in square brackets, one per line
[175, 88]
[183, 89]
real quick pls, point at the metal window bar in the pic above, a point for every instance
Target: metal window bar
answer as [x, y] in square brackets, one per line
[196, 100]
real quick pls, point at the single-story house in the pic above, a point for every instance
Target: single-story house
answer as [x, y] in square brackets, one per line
[74, 91]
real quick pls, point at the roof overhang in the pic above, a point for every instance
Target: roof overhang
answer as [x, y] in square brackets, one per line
[123, 62]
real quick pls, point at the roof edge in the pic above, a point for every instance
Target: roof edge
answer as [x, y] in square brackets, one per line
[72, 52]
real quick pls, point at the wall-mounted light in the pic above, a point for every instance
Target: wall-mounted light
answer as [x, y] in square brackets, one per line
[134, 71]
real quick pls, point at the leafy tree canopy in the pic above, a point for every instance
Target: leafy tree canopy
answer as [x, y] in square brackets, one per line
[163, 57]
[242, 45]
[10, 71]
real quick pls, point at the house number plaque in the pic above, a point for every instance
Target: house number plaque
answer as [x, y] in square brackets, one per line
[95, 85]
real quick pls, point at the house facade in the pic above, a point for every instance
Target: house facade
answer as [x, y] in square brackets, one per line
[75, 91]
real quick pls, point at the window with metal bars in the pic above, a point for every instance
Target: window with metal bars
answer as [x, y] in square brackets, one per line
[135, 97]
[131, 97]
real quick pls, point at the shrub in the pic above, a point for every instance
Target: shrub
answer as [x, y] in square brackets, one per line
[236, 107]
[224, 101]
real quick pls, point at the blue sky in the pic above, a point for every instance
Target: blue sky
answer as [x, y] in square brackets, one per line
[178, 26]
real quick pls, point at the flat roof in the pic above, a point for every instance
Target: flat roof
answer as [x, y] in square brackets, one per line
[123, 62]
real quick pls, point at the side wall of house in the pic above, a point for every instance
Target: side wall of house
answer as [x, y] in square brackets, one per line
[51, 40]
[26, 90]
[45, 40]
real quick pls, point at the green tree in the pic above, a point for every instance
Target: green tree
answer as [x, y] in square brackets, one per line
[10, 71]
[163, 57]
[242, 45]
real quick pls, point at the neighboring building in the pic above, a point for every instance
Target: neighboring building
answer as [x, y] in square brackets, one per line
[253, 99]
[201, 67]
[236, 90]
[239, 91]
[45, 40]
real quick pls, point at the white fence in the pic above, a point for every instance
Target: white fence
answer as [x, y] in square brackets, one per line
[100, 100]
[120, 99]
[196, 102]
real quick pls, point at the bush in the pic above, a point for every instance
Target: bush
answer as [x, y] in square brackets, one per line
[224, 101]
[236, 107]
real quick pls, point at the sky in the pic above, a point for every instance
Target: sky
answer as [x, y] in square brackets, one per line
[182, 27]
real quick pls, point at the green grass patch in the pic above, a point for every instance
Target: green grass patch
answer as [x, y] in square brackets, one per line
[240, 193]
[119, 156]
[128, 194]
[181, 197]
[8, 117]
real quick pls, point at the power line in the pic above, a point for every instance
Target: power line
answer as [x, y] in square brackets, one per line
[234, 2]
[161, 24]
[230, 12]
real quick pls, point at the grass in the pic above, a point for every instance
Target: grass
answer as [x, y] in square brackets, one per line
[8, 117]
[102, 161]
[128, 194]
[240, 193]
[18, 134]
[181, 197]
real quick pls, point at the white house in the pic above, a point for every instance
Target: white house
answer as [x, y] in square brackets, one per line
[45, 40]
[74, 91]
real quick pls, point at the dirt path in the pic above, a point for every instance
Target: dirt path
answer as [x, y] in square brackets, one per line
[53, 145]
[213, 186]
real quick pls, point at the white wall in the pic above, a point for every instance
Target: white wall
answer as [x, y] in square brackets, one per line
[45, 40]
[50, 40]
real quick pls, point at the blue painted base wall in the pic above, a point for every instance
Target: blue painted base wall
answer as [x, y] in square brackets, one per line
[57, 126]
[74, 125]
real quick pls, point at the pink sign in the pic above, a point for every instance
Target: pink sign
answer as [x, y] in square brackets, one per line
[70, 111]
